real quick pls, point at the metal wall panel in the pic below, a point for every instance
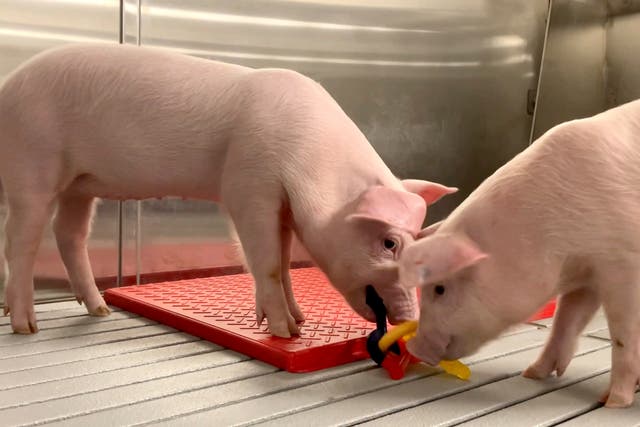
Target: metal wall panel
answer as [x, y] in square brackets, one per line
[591, 60]
[439, 87]
[573, 71]
[623, 52]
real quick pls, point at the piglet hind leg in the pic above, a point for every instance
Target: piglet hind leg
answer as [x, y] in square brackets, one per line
[28, 213]
[623, 316]
[259, 229]
[71, 227]
[575, 310]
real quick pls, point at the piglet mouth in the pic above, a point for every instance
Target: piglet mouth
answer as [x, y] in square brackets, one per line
[431, 345]
[452, 350]
[419, 350]
[401, 306]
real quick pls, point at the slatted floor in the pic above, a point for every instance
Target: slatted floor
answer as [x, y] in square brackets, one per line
[127, 370]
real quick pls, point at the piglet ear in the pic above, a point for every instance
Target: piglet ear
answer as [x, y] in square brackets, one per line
[429, 230]
[431, 192]
[437, 257]
[386, 206]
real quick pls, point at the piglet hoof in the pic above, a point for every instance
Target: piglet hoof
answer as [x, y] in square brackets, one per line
[296, 313]
[279, 332]
[95, 304]
[617, 400]
[545, 366]
[100, 311]
[283, 326]
[259, 317]
[6, 310]
[28, 328]
[536, 372]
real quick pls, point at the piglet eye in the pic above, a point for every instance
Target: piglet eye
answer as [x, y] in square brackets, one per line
[389, 244]
[439, 290]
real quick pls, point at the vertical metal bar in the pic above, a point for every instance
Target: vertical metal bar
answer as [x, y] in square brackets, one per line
[138, 203]
[139, 20]
[119, 222]
[120, 208]
[138, 240]
[121, 29]
[540, 73]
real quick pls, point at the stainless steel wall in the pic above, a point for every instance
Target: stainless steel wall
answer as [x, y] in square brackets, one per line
[440, 87]
[591, 60]
[623, 52]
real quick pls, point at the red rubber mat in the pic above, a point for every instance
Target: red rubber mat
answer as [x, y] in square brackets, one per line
[221, 310]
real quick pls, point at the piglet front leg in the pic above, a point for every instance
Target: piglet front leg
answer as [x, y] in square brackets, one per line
[259, 228]
[286, 237]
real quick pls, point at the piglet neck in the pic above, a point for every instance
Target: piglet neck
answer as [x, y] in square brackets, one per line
[323, 228]
[319, 229]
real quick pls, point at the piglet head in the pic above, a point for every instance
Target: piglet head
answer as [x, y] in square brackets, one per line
[452, 273]
[379, 225]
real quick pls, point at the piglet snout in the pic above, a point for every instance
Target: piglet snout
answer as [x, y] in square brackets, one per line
[401, 303]
[430, 350]
[402, 313]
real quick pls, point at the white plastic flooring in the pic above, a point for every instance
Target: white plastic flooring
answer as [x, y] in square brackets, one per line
[126, 370]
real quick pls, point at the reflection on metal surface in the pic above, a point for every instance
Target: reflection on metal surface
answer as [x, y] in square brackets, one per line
[438, 86]
[227, 18]
[623, 52]
[572, 83]
[50, 36]
[589, 61]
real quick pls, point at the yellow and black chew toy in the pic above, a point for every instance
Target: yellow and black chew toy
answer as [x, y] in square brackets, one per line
[388, 349]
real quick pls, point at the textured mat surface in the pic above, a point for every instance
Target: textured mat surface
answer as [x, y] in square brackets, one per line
[221, 309]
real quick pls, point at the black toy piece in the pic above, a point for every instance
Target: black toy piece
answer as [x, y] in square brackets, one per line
[376, 303]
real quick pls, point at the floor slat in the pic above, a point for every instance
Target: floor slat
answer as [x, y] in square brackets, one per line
[494, 396]
[140, 357]
[127, 370]
[123, 377]
[125, 395]
[247, 389]
[79, 341]
[81, 318]
[410, 394]
[93, 352]
[629, 417]
[82, 329]
[62, 310]
[551, 408]
[505, 345]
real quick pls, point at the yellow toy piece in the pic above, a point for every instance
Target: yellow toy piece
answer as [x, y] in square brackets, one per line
[407, 330]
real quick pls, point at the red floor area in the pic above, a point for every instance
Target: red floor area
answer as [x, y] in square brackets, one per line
[221, 309]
